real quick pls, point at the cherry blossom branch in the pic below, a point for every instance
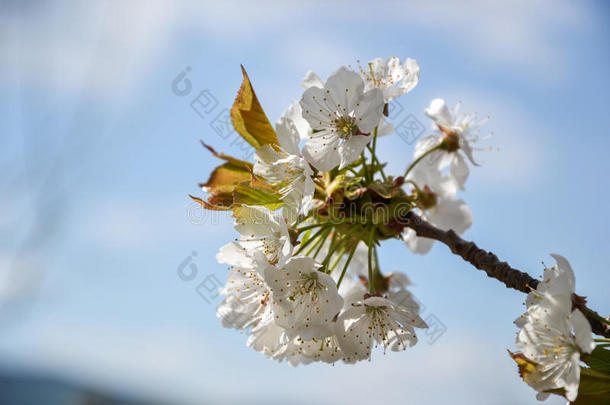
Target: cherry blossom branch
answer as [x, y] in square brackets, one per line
[493, 267]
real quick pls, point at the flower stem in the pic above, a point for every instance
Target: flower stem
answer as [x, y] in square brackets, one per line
[365, 168]
[349, 259]
[308, 227]
[320, 189]
[320, 243]
[419, 159]
[338, 259]
[371, 278]
[414, 184]
[374, 157]
[376, 261]
[308, 241]
[333, 247]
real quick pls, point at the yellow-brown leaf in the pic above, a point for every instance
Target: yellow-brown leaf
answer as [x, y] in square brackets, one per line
[248, 117]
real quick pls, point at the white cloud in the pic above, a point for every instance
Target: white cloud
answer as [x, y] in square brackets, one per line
[518, 35]
[96, 47]
[102, 47]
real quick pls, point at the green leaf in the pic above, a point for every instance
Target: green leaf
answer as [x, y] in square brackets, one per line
[599, 360]
[594, 388]
[249, 119]
[247, 195]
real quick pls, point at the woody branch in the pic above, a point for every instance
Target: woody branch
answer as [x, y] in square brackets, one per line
[493, 267]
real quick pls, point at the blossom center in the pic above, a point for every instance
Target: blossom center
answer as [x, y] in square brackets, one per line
[426, 198]
[346, 127]
[308, 285]
[450, 141]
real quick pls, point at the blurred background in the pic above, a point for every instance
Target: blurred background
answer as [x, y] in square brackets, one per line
[103, 105]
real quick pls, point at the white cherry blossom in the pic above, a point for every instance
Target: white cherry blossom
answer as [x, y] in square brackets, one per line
[552, 335]
[247, 294]
[285, 167]
[437, 204]
[267, 336]
[305, 299]
[391, 76]
[447, 213]
[265, 231]
[376, 320]
[342, 116]
[299, 351]
[459, 133]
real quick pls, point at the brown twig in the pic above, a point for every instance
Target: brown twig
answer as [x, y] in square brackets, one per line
[491, 265]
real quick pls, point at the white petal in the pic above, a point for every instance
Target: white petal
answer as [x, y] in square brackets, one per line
[582, 332]
[267, 338]
[369, 110]
[344, 87]
[287, 135]
[572, 379]
[451, 214]
[295, 113]
[322, 151]
[351, 149]
[418, 245]
[234, 255]
[353, 334]
[411, 68]
[316, 110]
[459, 170]
[439, 113]
[312, 80]
[425, 144]
[565, 272]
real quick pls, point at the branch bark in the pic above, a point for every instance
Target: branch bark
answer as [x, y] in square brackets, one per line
[492, 266]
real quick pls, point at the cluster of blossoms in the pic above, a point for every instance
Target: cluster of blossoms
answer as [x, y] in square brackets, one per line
[553, 334]
[304, 280]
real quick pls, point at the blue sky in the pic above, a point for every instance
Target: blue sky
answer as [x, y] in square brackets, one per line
[98, 156]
